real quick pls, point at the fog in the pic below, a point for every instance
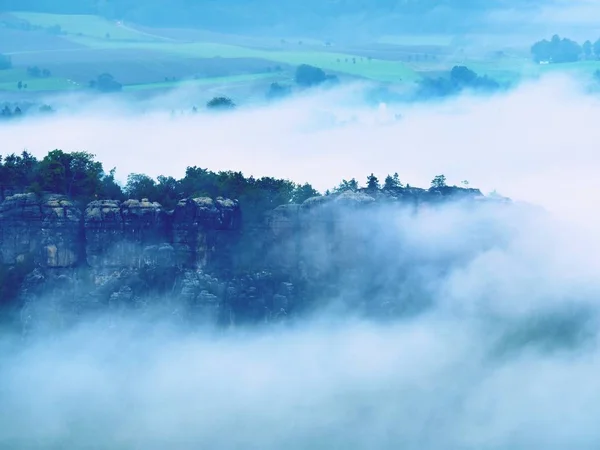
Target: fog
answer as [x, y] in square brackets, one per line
[536, 143]
[505, 357]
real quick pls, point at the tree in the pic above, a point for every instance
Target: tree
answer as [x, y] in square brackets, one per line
[307, 75]
[106, 83]
[167, 191]
[392, 182]
[75, 174]
[110, 189]
[17, 172]
[304, 192]
[596, 48]
[541, 51]
[141, 186]
[6, 112]
[587, 49]
[556, 50]
[46, 109]
[439, 181]
[276, 91]
[345, 185]
[221, 103]
[462, 75]
[34, 71]
[372, 183]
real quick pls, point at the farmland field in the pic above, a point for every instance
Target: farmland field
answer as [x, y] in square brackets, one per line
[77, 48]
[207, 81]
[85, 25]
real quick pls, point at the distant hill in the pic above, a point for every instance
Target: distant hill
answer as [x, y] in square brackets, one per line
[266, 14]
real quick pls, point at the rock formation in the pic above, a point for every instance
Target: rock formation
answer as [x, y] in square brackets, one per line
[200, 261]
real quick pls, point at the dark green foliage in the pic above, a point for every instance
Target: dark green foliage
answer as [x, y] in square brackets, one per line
[221, 103]
[277, 91]
[307, 75]
[556, 50]
[110, 189]
[167, 189]
[392, 182]
[17, 172]
[304, 192]
[346, 185]
[588, 49]
[372, 183]
[596, 48]
[459, 79]
[36, 72]
[75, 174]
[462, 75]
[46, 109]
[439, 181]
[106, 83]
[140, 186]
[256, 196]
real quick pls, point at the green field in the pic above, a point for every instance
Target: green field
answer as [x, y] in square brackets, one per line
[376, 69]
[85, 25]
[145, 59]
[205, 82]
[9, 80]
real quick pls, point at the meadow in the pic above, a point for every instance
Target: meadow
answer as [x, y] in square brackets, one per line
[77, 48]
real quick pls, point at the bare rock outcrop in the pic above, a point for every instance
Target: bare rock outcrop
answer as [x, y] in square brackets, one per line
[127, 234]
[47, 229]
[202, 227]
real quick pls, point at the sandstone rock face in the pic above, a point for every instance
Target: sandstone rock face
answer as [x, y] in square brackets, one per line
[47, 229]
[200, 226]
[198, 264]
[126, 234]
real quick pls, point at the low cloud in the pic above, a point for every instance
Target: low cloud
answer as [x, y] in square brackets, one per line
[506, 357]
[535, 143]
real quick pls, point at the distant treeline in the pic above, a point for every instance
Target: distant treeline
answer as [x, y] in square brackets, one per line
[17, 110]
[563, 50]
[459, 79]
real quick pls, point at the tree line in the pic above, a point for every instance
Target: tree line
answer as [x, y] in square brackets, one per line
[459, 79]
[564, 50]
[83, 179]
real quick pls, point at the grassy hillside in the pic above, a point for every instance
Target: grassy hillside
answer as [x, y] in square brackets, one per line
[85, 25]
[77, 48]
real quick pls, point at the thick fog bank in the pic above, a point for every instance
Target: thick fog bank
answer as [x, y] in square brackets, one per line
[535, 143]
[506, 356]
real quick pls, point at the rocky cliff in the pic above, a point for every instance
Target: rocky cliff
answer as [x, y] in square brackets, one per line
[201, 261]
